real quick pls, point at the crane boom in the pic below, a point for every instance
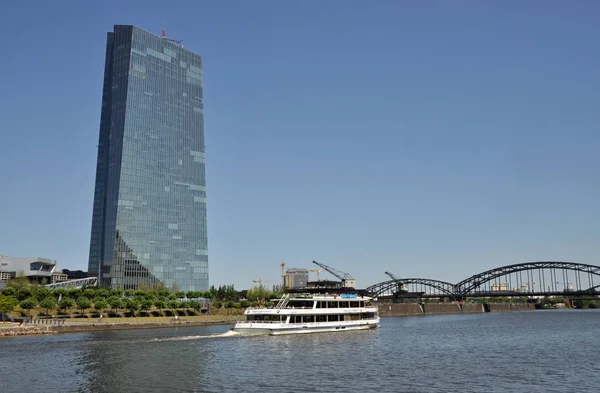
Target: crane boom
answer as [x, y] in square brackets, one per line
[401, 286]
[347, 280]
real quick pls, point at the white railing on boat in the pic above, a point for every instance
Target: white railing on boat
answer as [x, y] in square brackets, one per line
[260, 322]
[283, 301]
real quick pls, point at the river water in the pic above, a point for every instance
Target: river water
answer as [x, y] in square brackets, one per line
[536, 351]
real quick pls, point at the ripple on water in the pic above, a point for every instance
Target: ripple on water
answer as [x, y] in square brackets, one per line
[545, 351]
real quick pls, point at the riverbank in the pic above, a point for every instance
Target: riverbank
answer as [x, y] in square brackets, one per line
[14, 329]
[124, 323]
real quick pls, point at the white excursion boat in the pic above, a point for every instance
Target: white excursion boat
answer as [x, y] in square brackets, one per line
[304, 313]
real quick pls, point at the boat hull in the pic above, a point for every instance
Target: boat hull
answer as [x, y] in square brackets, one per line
[245, 328]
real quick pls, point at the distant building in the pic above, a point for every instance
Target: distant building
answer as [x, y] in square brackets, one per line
[36, 269]
[499, 287]
[296, 278]
[324, 284]
[59, 276]
[66, 274]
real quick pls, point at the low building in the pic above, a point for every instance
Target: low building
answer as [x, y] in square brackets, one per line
[36, 269]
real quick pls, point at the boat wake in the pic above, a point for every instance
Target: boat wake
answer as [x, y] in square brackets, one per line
[230, 333]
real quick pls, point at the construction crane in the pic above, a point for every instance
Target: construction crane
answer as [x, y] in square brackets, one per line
[316, 271]
[347, 280]
[260, 281]
[397, 280]
[164, 37]
[282, 264]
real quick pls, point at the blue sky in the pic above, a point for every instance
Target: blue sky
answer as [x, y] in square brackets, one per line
[431, 139]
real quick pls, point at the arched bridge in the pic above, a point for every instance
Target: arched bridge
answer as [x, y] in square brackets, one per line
[523, 279]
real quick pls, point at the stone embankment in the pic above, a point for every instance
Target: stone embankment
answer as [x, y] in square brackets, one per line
[13, 329]
[406, 309]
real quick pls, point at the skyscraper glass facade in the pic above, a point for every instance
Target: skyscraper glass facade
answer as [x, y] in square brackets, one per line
[149, 215]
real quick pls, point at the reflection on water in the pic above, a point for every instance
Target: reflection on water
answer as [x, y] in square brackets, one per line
[542, 351]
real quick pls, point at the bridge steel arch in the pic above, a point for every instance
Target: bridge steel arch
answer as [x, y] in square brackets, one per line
[476, 281]
[443, 288]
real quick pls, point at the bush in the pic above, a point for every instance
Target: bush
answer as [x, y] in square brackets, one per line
[9, 291]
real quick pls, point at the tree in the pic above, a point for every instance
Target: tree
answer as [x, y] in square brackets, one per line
[89, 293]
[173, 304]
[132, 305]
[160, 305]
[48, 303]
[59, 292]
[116, 292]
[74, 293]
[103, 292]
[28, 304]
[7, 304]
[140, 293]
[66, 303]
[258, 292]
[99, 303]
[83, 303]
[42, 293]
[19, 282]
[147, 304]
[115, 303]
[212, 292]
[161, 293]
[129, 292]
[195, 305]
[23, 293]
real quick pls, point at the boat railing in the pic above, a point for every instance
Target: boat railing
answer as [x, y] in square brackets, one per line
[253, 321]
[283, 301]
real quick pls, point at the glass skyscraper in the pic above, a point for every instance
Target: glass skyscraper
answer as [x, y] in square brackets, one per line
[149, 216]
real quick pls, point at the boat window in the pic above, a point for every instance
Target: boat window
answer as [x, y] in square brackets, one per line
[309, 318]
[344, 304]
[353, 304]
[321, 318]
[302, 304]
[333, 318]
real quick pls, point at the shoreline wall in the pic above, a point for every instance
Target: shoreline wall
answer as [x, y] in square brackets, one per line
[28, 329]
[409, 309]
